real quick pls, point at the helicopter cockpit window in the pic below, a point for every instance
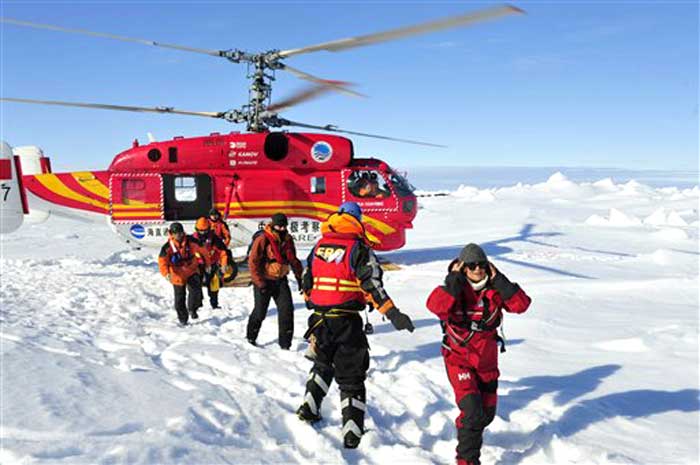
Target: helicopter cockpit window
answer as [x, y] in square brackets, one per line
[318, 185]
[185, 189]
[401, 185]
[368, 184]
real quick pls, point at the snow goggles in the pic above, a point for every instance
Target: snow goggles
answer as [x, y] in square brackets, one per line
[472, 266]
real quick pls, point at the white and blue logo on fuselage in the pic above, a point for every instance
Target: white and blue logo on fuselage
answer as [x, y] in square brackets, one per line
[138, 231]
[321, 151]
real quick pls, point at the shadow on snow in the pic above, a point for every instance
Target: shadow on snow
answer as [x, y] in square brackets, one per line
[492, 248]
[638, 403]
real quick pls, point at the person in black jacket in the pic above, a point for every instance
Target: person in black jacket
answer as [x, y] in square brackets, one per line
[342, 275]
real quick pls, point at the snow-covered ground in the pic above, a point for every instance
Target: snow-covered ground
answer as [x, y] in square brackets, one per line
[603, 368]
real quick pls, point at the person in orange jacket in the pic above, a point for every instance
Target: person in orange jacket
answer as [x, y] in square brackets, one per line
[272, 254]
[216, 250]
[219, 226]
[178, 264]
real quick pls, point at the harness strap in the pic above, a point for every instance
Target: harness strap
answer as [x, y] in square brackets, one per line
[332, 313]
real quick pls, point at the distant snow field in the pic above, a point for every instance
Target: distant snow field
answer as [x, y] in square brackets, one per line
[603, 368]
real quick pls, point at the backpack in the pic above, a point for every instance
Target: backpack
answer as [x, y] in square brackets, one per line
[252, 240]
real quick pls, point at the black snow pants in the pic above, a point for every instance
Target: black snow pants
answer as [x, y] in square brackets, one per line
[192, 293]
[342, 353]
[280, 292]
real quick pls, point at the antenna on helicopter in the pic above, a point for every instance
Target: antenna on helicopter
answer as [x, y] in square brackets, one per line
[259, 114]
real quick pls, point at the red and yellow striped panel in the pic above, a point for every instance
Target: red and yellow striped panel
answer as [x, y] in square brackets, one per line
[126, 210]
[89, 191]
[65, 190]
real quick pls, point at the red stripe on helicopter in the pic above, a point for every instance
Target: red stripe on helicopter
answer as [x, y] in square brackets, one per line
[33, 185]
[77, 187]
[5, 169]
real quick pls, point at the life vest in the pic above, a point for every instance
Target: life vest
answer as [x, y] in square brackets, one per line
[206, 243]
[335, 282]
[472, 318]
[221, 229]
[282, 252]
[180, 254]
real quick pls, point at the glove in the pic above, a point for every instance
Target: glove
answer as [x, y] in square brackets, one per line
[455, 281]
[300, 287]
[400, 320]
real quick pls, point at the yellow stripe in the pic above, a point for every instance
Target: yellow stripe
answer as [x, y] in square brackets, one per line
[326, 207]
[270, 212]
[372, 237]
[345, 281]
[136, 214]
[136, 206]
[324, 288]
[326, 280]
[91, 184]
[280, 203]
[55, 185]
[349, 289]
[383, 227]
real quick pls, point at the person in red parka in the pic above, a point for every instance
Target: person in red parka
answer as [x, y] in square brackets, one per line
[470, 306]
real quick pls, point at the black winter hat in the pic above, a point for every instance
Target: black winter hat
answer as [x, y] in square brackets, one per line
[279, 219]
[176, 228]
[472, 253]
[214, 212]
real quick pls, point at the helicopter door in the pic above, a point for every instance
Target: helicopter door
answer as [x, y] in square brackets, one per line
[370, 189]
[186, 196]
[135, 197]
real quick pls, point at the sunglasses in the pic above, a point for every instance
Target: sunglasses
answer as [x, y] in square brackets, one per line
[472, 266]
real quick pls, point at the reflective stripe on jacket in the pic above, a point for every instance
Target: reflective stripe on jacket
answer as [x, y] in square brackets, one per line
[334, 280]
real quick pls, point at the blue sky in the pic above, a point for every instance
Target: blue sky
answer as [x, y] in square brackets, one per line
[605, 84]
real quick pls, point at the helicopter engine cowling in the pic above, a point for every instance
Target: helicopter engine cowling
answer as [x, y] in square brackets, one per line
[12, 207]
[33, 161]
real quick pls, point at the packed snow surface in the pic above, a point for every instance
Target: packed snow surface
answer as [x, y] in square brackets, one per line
[603, 368]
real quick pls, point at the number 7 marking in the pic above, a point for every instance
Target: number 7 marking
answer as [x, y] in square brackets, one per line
[6, 188]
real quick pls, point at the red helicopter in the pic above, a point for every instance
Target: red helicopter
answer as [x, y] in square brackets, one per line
[247, 176]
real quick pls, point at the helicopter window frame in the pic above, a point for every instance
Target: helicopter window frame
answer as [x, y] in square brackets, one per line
[358, 175]
[133, 190]
[183, 191]
[400, 184]
[318, 184]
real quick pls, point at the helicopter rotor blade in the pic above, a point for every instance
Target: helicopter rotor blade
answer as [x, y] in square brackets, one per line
[306, 94]
[331, 128]
[393, 34]
[338, 86]
[101, 106]
[16, 22]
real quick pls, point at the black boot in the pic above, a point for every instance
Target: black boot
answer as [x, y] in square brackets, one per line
[353, 407]
[305, 414]
[316, 388]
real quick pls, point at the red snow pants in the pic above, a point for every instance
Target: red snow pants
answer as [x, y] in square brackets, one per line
[476, 397]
